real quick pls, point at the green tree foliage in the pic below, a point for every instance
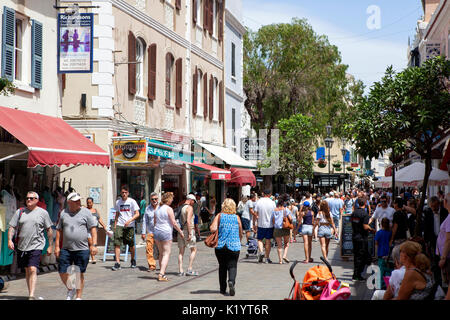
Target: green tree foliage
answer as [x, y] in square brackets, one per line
[6, 87]
[405, 110]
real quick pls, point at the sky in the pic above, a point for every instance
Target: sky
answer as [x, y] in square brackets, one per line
[370, 34]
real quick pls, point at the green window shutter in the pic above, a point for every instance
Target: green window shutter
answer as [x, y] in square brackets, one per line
[8, 30]
[36, 55]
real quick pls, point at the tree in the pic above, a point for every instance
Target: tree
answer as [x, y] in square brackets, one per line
[405, 110]
[297, 140]
[6, 86]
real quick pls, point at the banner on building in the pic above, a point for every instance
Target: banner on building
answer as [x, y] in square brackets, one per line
[130, 151]
[75, 41]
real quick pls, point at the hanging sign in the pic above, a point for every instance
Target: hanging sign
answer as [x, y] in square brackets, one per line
[130, 151]
[75, 40]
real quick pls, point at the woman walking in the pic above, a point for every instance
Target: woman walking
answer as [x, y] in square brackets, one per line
[307, 230]
[164, 224]
[326, 227]
[229, 244]
[90, 206]
[279, 232]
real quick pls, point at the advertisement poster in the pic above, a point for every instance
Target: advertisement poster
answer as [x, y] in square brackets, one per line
[95, 193]
[75, 40]
[130, 151]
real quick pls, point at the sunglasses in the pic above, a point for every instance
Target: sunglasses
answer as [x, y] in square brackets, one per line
[154, 199]
[31, 198]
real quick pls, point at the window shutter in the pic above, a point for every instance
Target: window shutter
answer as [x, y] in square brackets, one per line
[205, 14]
[152, 72]
[320, 153]
[179, 83]
[221, 102]
[205, 95]
[63, 80]
[210, 16]
[131, 66]
[211, 98]
[168, 76]
[178, 4]
[36, 55]
[220, 4]
[8, 29]
[194, 11]
[194, 92]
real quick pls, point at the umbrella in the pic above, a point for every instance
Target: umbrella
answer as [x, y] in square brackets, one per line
[413, 175]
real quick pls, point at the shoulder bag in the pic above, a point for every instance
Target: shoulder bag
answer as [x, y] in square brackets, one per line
[213, 239]
[15, 238]
[287, 222]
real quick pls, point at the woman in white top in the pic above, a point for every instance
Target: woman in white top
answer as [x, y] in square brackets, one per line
[164, 224]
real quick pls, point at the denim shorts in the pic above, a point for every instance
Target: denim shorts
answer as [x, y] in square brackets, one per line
[79, 258]
[324, 231]
[307, 230]
[336, 221]
[265, 233]
[245, 224]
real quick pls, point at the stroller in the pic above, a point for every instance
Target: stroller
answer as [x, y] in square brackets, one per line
[252, 249]
[319, 283]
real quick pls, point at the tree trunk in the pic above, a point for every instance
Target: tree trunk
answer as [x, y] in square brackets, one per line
[424, 193]
[393, 182]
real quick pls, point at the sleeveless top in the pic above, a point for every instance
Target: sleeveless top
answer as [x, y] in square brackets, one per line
[307, 218]
[425, 292]
[229, 232]
[163, 224]
[184, 218]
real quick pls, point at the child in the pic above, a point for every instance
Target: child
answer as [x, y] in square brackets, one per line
[382, 238]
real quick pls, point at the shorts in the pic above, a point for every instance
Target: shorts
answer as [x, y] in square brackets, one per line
[124, 235]
[182, 243]
[27, 259]
[278, 233]
[245, 224]
[265, 233]
[79, 258]
[307, 229]
[336, 221]
[195, 219]
[324, 232]
[162, 236]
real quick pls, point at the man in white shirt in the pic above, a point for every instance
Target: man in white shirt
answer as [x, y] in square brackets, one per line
[382, 211]
[127, 211]
[264, 208]
[248, 214]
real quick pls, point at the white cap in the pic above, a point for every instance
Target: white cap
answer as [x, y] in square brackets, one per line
[74, 196]
[191, 197]
[331, 193]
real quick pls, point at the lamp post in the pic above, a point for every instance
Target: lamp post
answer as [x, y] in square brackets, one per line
[329, 144]
[344, 151]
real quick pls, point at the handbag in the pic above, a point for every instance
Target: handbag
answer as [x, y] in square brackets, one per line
[213, 239]
[15, 238]
[287, 223]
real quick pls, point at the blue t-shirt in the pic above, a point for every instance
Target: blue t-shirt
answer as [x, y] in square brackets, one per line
[383, 237]
[335, 205]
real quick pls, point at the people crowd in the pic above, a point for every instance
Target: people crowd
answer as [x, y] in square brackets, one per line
[413, 260]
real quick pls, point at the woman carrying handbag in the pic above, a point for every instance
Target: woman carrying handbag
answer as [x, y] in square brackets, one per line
[282, 223]
[229, 233]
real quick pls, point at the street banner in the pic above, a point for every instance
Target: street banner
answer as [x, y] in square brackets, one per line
[130, 151]
[75, 43]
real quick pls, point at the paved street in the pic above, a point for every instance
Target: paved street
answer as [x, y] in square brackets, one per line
[254, 281]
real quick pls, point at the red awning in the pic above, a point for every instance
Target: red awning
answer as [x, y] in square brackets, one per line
[445, 159]
[216, 173]
[242, 177]
[51, 141]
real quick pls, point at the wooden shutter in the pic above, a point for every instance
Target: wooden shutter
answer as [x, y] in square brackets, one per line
[211, 98]
[205, 14]
[152, 71]
[210, 16]
[205, 95]
[131, 66]
[168, 76]
[194, 11]
[194, 92]
[36, 55]
[221, 102]
[63, 80]
[8, 30]
[220, 9]
[179, 83]
[178, 4]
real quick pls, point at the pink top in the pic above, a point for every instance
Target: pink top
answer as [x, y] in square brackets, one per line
[445, 228]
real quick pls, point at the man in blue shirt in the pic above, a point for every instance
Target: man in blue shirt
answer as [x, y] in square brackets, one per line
[336, 208]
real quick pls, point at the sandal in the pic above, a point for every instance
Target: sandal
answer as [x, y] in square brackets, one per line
[311, 260]
[191, 273]
[286, 260]
[162, 277]
[181, 274]
[304, 261]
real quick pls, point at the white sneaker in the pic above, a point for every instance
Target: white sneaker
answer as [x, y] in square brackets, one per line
[71, 293]
[78, 299]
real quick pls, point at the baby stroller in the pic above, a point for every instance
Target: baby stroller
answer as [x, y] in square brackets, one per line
[252, 249]
[319, 283]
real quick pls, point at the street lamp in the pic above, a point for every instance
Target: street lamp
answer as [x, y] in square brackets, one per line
[344, 151]
[329, 144]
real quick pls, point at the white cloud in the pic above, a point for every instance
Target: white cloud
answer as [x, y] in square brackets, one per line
[367, 60]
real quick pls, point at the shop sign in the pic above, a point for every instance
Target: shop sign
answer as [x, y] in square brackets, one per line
[221, 176]
[168, 154]
[354, 165]
[154, 151]
[75, 42]
[130, 151]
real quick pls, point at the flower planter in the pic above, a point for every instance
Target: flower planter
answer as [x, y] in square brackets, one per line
[322, 165]
[349, 169]
[337, 169]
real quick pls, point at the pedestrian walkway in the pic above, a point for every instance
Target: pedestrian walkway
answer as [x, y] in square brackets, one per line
[254, 281]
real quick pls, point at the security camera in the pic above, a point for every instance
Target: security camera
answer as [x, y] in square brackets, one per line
[71, 9]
